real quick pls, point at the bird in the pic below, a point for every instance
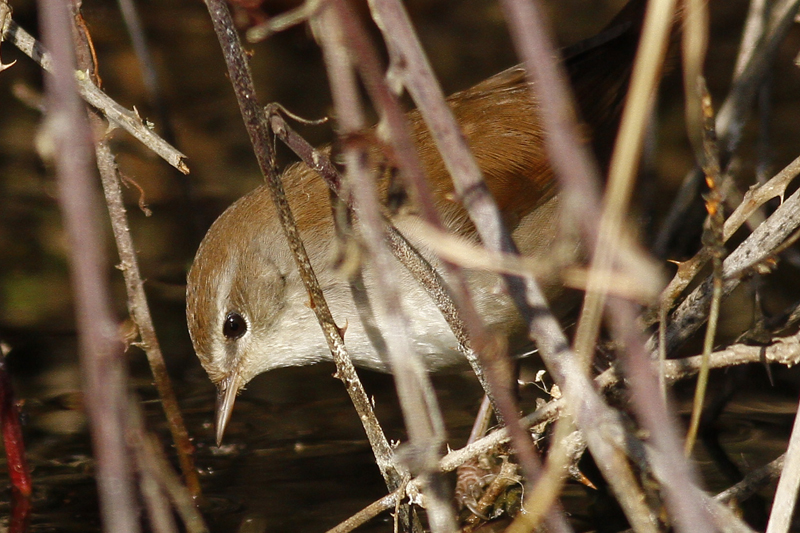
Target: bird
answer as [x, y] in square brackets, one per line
[247, 309]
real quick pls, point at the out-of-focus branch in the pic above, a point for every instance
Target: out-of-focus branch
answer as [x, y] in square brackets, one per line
[256, 124]
[579, 185]
[713, 240]
[129, 265]
[284, 21]
[410, 66]
[160, 477]
[66, 139]
[423, 418]
[734, 111]
[482, 350]
[468, 255]
[783, 505]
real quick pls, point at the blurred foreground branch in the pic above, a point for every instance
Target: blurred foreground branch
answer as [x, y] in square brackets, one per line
[68, 139]
[129, 265]
[257, 129]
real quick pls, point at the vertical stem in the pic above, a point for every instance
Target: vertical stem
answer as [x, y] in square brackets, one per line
[102, 362]
[256, 124]
[129, 264]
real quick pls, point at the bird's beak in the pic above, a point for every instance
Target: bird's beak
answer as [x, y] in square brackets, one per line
[226, 396]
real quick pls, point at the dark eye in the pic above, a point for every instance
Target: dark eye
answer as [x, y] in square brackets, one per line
[235, 326]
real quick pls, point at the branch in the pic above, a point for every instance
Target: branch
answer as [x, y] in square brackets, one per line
[756, 251]
[129, 265]
[102, 360]
[130, 121]
[253, 116]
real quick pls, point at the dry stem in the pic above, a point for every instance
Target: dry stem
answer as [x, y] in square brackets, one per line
[255, 123]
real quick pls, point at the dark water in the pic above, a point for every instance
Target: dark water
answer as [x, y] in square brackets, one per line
[305, 466]
[295, 458]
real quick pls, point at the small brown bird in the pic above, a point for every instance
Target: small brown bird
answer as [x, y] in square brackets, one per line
[247, 308]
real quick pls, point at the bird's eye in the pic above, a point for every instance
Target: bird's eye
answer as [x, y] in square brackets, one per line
[235, 326]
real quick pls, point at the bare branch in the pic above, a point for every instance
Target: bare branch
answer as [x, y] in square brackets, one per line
[130, 121]
[256, 125]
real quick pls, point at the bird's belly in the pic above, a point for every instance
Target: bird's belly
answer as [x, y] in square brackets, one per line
[423, 333]
[427, 333]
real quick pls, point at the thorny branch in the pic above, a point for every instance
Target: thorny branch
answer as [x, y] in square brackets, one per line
[116, 114]
[785, 351]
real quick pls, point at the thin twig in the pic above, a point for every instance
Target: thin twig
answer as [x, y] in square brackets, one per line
[137, 299]
[752, 201]
[753, 482]
[458, 250]
[483, 351]
[713, 240]
[755, 29]
[153, 463]
[255, 122]
[784, 351]
[133, 23]
[423, 418]
[734, 111]
[410, 65]
[627, 152]
[700, 128]
[367, 513]
[284, 21]
[140, 312]
[130, 121]
[677, 476]
[757, 248]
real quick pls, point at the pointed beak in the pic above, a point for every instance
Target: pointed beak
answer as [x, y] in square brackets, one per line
[226, 396]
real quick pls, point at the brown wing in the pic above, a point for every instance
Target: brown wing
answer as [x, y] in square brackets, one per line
[500, 120]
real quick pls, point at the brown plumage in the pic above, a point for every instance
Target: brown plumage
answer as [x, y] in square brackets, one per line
[246, 306]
